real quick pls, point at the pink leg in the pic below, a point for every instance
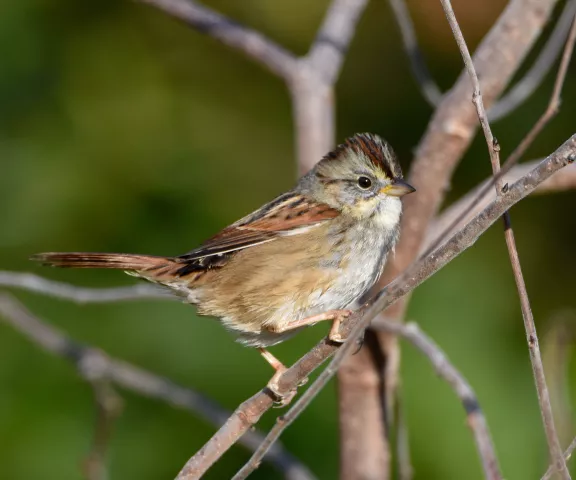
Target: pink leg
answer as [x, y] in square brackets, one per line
[272, 385]
[335, 315]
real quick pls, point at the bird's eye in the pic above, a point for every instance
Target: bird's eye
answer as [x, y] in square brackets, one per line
[364, 182]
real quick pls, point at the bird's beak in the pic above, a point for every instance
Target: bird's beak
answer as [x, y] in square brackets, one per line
[398, 188]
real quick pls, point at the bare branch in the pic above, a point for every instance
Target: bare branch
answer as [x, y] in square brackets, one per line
[517, 95]
[252, 43]
[94, 364]
[405, 468]
[443, 368]
[553, 105]
[538, 369]
[567, 454]
[428, 87]
[250, 411]
[549, 113]
[447, 137]
[108, 408]
[52, 288]
[334, 37]
[473, 202]
[360, 391]
[525, 87]
[312, 87]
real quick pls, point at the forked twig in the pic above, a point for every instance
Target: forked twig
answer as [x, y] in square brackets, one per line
[250, 411]
[94, 365]
[443, 367]
[554, 447]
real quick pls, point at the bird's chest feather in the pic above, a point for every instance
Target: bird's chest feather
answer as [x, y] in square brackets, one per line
[295, 277]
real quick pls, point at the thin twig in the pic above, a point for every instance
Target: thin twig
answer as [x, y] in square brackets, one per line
[81, 295]
[255, 45]
[473, 202]
[516, 155]
[448, 135]
[108, 408]
[525, 87]
[443, 368]
[428, 87]
[553, 104]
[567, 454]
[517, 95]
[538, 369]
[250, 411]
[90, 361]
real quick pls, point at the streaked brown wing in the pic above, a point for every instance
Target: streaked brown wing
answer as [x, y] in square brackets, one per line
[283, 216]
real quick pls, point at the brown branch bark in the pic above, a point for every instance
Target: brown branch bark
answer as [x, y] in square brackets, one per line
[250, 411]
[447, 137]
[443, 368]
[94, 365]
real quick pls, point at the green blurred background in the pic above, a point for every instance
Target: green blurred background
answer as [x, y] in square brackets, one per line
[123, 130]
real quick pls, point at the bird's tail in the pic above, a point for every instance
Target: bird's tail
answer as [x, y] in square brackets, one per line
[121, 261]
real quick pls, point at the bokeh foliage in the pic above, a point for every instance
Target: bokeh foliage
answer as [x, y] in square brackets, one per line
[122, 130]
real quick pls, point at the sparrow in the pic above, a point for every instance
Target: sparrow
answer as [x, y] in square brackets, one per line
[306, 256]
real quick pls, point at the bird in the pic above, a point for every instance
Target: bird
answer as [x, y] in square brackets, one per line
[306, 256]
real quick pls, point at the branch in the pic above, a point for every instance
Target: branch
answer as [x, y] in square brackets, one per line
[444, 143]
[443, 368]
[312, 87]
[52, 288]
[516, 155]
[517, 95]
[333, 38]
[94, 364]
[250, 411]
[538, 368]
[252, 43]
[567, 454]
[428, 87]
[108, 408]
[473, 202]
[525, 87]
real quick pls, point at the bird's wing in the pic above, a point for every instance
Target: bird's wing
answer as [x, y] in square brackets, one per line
[289, 214]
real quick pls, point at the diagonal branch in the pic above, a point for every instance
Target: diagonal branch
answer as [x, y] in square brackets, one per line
[250, 411]
[448, 372]
[473, 202]
[554, 447]
[252, 43]
[93, 363]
